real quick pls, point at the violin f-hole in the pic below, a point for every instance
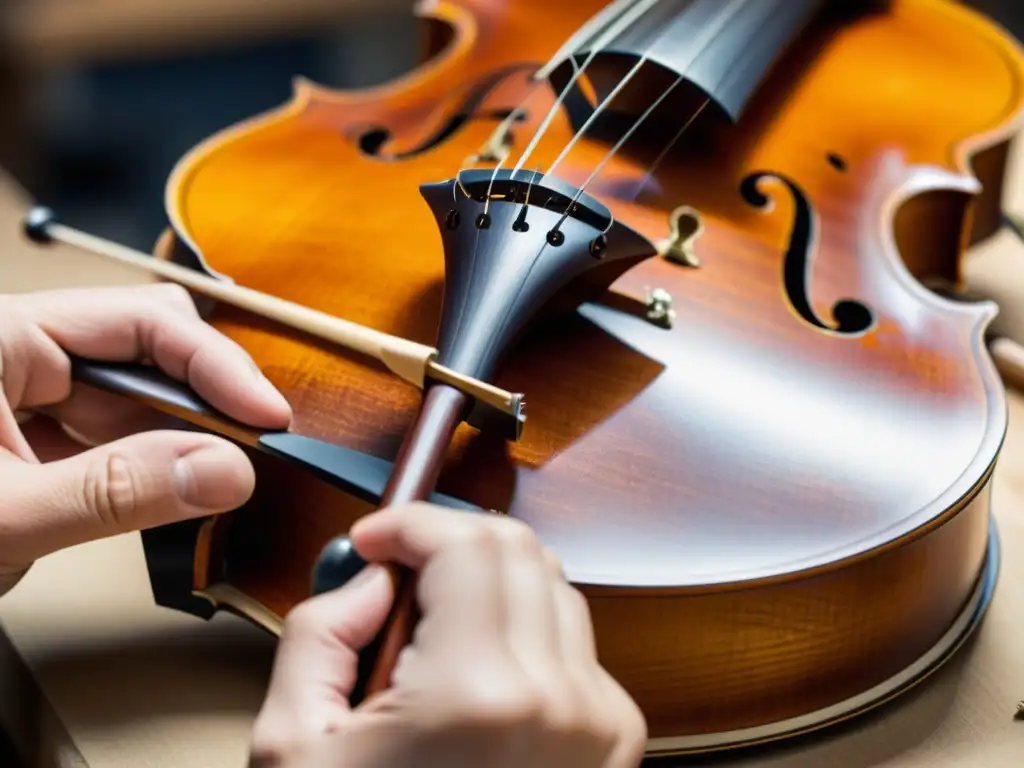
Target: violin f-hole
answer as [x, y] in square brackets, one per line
[849, 316]
[469, 109]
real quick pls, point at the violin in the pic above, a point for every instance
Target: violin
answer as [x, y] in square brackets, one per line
[696, 238]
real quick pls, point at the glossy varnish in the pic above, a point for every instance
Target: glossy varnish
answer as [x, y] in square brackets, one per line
[771, 508]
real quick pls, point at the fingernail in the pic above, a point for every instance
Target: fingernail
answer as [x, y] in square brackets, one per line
[215, 478]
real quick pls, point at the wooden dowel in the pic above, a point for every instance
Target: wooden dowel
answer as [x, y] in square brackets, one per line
[408, 360]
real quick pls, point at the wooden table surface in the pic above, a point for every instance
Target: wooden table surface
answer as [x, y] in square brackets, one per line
[124, 683]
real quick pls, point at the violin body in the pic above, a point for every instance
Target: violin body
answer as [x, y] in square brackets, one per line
[779, 506]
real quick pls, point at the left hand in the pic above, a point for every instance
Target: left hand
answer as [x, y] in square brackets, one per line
[131, 481]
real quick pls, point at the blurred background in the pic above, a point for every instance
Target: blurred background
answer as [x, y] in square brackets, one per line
[100, 98]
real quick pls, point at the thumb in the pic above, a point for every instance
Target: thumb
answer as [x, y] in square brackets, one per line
[138, 482]
[318, 656]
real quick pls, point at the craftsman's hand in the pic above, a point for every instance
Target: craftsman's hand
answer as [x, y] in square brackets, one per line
[54, 494]
[502, 671]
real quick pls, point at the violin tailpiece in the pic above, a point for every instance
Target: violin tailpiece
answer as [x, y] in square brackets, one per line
[510, 245]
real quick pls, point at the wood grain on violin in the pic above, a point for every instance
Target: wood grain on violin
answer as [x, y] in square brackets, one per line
[778, 507]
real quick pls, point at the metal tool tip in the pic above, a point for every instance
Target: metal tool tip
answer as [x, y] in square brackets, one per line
[37, 224]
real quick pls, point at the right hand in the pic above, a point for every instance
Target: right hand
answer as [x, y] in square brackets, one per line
[502, 671]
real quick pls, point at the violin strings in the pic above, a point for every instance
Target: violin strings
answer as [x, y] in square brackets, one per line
[623, 14]
[611, 19]
[628, 16]
[599, 110]
[664, 152]
[668, 148]
[598, 21]
[627, 19]
[619, 144]
[502, 131]
[708, 35]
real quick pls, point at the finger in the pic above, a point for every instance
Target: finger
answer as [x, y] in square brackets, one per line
[159, 323]
[626, 722]
[461, 596]
[580, 672]
[609, 709]
[576, 627]
[458, 559]
[554, 564]
[12, 439]
[136, 483]
[411, 534]
[533, 624]
[317, 657]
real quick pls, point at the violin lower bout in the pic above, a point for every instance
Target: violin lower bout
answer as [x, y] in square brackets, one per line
[712, 668]
[745, 665]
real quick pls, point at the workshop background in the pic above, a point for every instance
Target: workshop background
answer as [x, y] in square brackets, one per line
[100, 98]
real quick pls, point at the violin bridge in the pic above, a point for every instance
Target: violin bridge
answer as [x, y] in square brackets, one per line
[686, 226]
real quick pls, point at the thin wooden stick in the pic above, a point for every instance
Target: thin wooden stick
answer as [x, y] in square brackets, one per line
[408, 360]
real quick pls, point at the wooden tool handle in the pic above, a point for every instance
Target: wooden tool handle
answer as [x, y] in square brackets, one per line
[417, 468]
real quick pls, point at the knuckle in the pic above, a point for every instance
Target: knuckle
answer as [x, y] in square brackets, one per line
[618, 720]
[112, 491]
[517, 535]
[636, 725]
[499, 703]
[577, 603]
[25, 348]
[609, 727]
[303, 620]
[554, 563]
[174, 295]
[561, 712]
[412, 511]
[471, 536]
[631, 731]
